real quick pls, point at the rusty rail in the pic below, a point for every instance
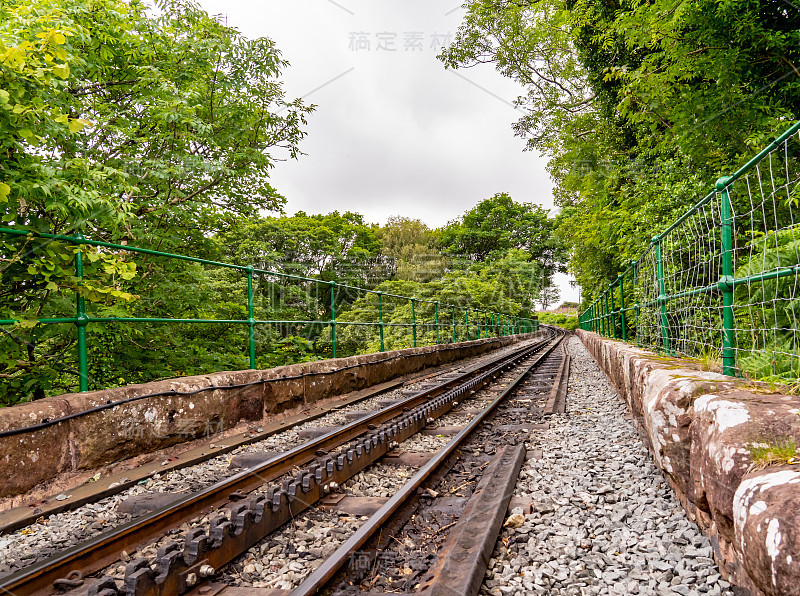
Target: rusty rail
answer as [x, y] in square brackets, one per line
[320, 578]
[462, 563]
[179, 567]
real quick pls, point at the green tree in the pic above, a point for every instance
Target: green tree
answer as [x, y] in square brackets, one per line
[498, 227]
[633, 104]
[131, 125]
[413, 246]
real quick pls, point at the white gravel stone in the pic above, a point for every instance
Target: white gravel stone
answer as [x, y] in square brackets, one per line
[604, 519]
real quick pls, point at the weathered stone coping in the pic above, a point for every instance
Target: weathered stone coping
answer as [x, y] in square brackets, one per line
[145, 425]
[698, 426]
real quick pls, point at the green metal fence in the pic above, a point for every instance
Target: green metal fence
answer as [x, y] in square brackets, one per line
[427, 322]
[722, 283]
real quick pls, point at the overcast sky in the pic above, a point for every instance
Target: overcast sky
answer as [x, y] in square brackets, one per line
[394, 133]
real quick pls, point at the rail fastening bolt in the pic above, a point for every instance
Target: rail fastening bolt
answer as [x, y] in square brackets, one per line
[206, 571]
[191, 579]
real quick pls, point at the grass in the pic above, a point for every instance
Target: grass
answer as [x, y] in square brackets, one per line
[710, 360]
[771, 385]
[775, 452]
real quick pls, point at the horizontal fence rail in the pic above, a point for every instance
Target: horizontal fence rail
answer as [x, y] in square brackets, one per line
[424, 321]
[722, 283]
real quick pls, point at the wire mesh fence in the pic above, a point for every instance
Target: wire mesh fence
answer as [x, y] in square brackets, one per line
[80, 314]
[722, 283]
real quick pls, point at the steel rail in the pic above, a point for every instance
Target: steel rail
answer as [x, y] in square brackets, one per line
[247, 523]
[319, 579]
[103, 550]
[10, 522]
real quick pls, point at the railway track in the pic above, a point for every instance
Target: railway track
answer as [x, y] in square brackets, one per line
[258, 501]
[270, 436]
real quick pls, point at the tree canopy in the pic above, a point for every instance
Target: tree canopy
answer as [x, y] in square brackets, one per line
[633, 104]
[122, 123]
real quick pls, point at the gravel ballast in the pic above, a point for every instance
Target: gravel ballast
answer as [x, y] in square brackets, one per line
[604, 519]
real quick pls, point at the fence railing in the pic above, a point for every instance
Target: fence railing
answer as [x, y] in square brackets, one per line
[428, 321]
[722, 283]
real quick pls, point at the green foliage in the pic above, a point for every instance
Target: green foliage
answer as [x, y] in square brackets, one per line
[780, 298]
[413, 247]
[288, 350]
[509, 285]
[498, 228]
[633, 105]
[773, 452]
[768, 337]
[332, 247]
[132, 125]
[566, 321]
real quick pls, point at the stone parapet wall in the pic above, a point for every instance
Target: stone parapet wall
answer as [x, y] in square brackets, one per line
[699, 427]
[218, 402]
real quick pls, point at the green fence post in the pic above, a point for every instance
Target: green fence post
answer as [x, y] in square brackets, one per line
[380, 316]
[636, 300]
[251, 320]
[81, 320]
[466, 321]
[333, 318]
[622, 306]
[414, 320]
[437, 322]
[662, 295]
[599, 317]
[485, 325]
[454, 323]
[603, 314]
[726, 282]
[613, 311]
